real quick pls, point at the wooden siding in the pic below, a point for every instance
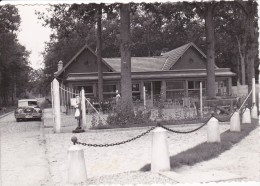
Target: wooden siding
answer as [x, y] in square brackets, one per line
[191, 59]
[86, 62]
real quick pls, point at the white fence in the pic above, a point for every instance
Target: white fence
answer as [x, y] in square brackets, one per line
[64, 111]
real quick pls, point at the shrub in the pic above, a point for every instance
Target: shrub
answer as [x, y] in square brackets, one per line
[124, 119]
[94, 121]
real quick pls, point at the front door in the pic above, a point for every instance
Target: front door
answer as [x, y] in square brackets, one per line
[152, 90]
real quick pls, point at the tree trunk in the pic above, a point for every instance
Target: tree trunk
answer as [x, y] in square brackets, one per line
[249, 8]
[252, 45]
[209, 22]
[99, 54]
[241, 50]
[126, 81]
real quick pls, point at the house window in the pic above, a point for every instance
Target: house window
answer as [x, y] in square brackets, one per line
[89, 93]
[136, 91]
[194, 88]
[109, 90]
[174, 89]
[221, 87]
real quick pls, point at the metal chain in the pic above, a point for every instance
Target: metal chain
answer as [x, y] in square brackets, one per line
[183, 132]
[225, 120]
[118, 143]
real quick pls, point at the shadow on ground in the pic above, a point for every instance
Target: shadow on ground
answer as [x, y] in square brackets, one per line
[206, 151]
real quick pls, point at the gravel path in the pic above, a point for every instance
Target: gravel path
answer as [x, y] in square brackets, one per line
[22, 155]
[118, 159]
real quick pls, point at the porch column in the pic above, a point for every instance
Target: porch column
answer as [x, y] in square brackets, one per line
[152, 92]
[186, 94]
[141, 89]
[163, 90]
[95, 90]
[229, 86]
[118, 86]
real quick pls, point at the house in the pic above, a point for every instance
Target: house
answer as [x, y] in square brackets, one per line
[173, 75]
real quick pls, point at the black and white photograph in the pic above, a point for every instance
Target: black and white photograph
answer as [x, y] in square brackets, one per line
[129, 93]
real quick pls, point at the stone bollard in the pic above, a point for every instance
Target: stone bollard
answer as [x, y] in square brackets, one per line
[254, 112]
[246, 117]
[160, 152]
[77, 172]
[213, 133]
[235, 122]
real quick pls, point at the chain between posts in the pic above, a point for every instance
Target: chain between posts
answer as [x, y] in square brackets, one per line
[184, 132]
[118, 143]
[74, 139]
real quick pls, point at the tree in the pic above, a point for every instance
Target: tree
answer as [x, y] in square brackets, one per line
[14, 65]
[99, 55]
[126, 82]
[210, 39]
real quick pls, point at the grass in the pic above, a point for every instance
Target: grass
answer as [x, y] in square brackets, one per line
[206, 151]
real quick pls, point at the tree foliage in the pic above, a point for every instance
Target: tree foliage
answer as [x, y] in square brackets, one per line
[14, 65]
[154, 27]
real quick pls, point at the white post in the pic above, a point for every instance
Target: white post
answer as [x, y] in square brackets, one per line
[201, 107]
[52, 103]
[235, 122]
[83, 109]
[160, 152]
[254, 108]
[259, 94]
[213, 133]
[77, 172]
[144, 97]
[253, 91]
[246, 117]
[152, 92]
[56, 93]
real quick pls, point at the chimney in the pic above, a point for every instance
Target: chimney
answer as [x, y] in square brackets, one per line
[60, 65]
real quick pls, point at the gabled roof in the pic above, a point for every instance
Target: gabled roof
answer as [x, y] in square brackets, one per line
[173, 55]
[139, 64]
[75, 56]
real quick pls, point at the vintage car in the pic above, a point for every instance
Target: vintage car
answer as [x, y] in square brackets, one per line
[28, 109]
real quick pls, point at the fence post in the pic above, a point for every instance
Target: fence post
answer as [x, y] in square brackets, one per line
[258, 94]
[52, 103]
[254, 107]
[213, 134]
[144, 97]
[235, 122]
[77, 172]
[201, 107]
[83, 109]
[246, 117]
[160, 152]
[56, 94]
[253, 90]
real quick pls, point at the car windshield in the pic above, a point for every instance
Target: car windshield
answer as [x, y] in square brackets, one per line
[27, 103]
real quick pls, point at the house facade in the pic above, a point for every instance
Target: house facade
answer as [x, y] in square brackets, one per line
[173, 75]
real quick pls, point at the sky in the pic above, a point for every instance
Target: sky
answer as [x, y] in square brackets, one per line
[32, 34]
